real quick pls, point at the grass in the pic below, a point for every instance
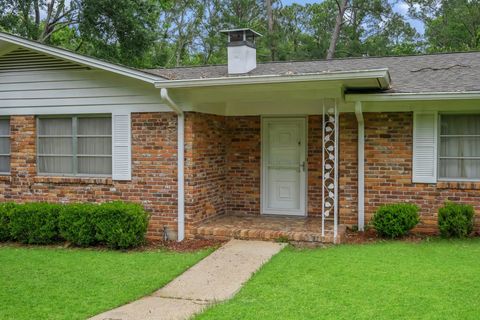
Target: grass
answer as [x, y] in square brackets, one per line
[57, 283]
[439, 279]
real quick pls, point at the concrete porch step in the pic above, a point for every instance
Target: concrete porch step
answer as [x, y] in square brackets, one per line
[267, 229]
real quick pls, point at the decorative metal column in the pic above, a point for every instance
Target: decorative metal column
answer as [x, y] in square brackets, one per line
[330, 164]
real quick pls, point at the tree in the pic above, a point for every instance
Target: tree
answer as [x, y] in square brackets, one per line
[38, 19]
[342, 6]
[450, 25]
[119, 30]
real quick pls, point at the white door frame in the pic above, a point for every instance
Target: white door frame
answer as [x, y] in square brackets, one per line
[303, 184]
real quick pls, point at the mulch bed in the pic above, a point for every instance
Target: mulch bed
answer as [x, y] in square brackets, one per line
[185, 245]
[370, 236]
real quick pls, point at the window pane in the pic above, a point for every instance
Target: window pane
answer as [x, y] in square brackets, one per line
[4, 145]
[95, 146]
[62, 165]
[55, 146]
[4, 164]
[4, 127]
[94, 126]
[459, 168]
[95, 165]
[468, 124]
[55, 127]
[460, 146]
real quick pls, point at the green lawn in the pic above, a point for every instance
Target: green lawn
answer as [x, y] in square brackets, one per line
[49, 283]
[392, 280]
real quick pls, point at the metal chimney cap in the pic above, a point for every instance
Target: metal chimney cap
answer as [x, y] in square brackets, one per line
[247, 30]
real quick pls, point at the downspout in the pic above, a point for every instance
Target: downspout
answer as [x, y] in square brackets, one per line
[180, 161]
[361, 166]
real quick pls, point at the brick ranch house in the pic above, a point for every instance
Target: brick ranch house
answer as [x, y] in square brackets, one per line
[286, 149]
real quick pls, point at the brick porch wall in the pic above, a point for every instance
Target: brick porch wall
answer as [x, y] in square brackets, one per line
[154, 172]
[205, 179]
[388, 171]
[243, 165]
[347, 174]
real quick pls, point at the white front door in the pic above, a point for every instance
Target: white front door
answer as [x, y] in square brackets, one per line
[284, 166]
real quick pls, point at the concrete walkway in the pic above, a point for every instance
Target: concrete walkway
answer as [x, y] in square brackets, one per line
[216, 278]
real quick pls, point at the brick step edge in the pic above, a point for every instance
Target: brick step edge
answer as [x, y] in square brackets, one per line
[259, 234]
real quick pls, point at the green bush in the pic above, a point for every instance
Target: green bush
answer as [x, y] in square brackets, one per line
[76, 223]
[35, 223]
[121, 225]
[455, 220]
[395, 220]
[6, 209]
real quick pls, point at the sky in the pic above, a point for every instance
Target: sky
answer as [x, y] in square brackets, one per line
[401, 7]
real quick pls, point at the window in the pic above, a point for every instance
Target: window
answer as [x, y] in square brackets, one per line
[459, 150]
[4, 146]
[75, 145]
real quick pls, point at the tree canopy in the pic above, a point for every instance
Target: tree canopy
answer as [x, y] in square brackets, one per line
[156, 33]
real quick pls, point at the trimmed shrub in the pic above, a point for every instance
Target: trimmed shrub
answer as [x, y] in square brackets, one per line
[456, 220]
[35, 223]
[395, 220]
[121, 225]
[5, 214]
[76, 223]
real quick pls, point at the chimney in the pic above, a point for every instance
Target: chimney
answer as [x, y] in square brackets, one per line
[242, 53]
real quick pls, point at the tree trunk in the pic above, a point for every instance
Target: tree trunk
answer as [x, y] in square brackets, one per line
[338, 26]
[268, 5]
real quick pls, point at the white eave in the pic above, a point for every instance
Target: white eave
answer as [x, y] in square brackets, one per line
[381, 77]
[81, 59]
[421, 96]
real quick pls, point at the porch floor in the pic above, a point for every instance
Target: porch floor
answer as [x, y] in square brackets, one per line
[272, 228]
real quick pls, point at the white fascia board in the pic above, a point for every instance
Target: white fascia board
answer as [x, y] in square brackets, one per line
[81, 59]
[464, 95]
[381, 75]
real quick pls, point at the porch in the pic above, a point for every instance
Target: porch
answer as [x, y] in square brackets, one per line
[269, 228]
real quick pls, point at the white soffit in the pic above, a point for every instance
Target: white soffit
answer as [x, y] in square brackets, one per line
[6, 40]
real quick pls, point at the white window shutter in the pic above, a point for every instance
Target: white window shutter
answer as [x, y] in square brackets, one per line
[121, 146]
[424, 147]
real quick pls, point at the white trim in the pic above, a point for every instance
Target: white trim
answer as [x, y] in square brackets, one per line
[337, 138]
[181, 176]
[180, 162]
[71, 56]
[361, 166]
[381, 75]
[263, 185]
[83, 109]
[466, 95]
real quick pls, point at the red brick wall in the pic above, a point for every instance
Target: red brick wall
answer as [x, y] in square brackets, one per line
[223, 164]
[388, 171]
[244, 165]
[205, 179]
[154, 175]
[347, 174]
[315, 166]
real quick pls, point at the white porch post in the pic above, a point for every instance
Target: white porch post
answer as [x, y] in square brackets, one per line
[180, 162]
[361, 166]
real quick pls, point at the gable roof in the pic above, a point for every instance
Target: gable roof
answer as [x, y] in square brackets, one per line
[7, 40]
[447, 72]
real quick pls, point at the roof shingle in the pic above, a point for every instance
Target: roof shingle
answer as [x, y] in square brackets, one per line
[447, 72]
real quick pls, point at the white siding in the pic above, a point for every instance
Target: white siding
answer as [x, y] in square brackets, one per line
[31, 82]
[425, 147]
